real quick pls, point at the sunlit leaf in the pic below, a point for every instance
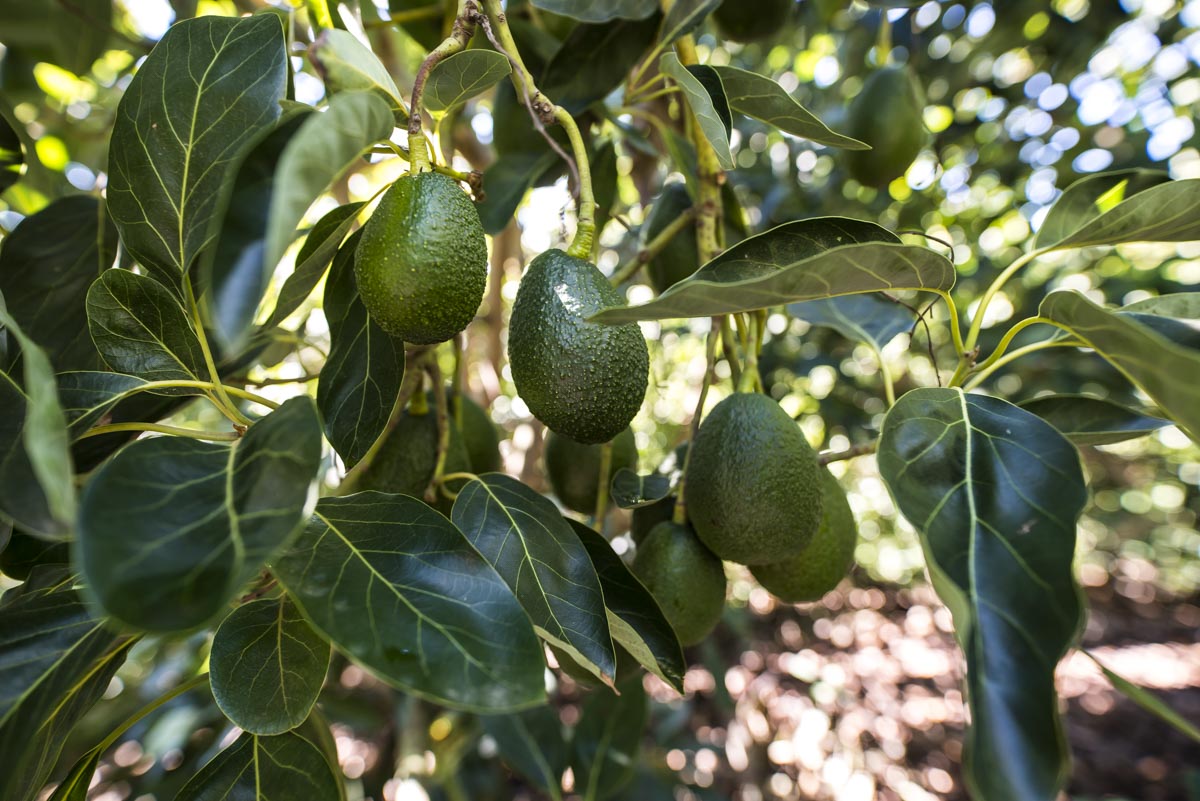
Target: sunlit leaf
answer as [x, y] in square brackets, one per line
[460, 77]
[872, 319]
[347, 65]
[763, 99]
[599, 10]
[1148, 701]
[630, 490]
[604, 751]
[1087, 420]
[1091, 196]
[708, 111]
[257, 768]
[686, 16]
[532, 743]
[1159, 212]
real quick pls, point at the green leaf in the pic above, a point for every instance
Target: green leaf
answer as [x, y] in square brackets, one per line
[995, 493]
[523, 536]
[267, 666]
[1089, 197]
[636, 620]
[460, 77]
[12, 153]
[71, 36]
[763, 99]
[686, 16]
[1086, 420]
[324, 147]
[532, 743]
[599, 10]
[805, 260]
[396, 587]
[1151, 361]
[56, 660]
[1165, 212]
[315, 254]
[140, 329]
[594, 59]
[708, 112]
[87, 396]
[347, 65]
[77, 782]
[630, 490]
[1176, 317]
[207, 89]
[604, 751]
[1148, 701]
[505, 182]
[872, 319]
[257, 768]
[46, 266]
[171, 528]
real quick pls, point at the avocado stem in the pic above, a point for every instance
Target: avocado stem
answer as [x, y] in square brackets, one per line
[606, 458]
[460, 35]
[443, 420]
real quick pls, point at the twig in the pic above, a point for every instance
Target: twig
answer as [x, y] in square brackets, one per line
[654, 247]
[841, 456]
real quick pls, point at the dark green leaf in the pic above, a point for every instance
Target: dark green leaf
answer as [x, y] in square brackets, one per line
[1147, 358]
[594, 60]
[763, 99]
[1176, 317]
[599, 10]
[1165, 212]
[460, 77]
[341, 287]
[210, 85]
[711, 82]
[872, 319]
[255, 768]
[1088, 198]
[77, 782]
[537, 554]
[56, 660]
[1086, 420]
[24, 553]
[1148, 701]
[505, 183]
[995, 492]
[171, 528]
[393, 584]
[86, 397]
[634, 616]
[630, 490]
[140, 329]
[347, 65]
[267, 666]
[532, 743]
[12, 153]
[71, 36]
[715, 124]
[604, 751]
[686, 16]
[314, 256]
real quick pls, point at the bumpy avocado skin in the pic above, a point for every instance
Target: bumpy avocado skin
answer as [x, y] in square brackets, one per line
[744, 21]
[408, 457]
[583, 380]
[753, 487]
[887, 114]
[421, 264]
[818, 568]
[574, 468]
[686, 579]
[479, 437]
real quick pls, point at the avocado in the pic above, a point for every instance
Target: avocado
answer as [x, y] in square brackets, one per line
[887, 114]
[686, 579]
[583, 380]
[479, 435]
[681, 257]
[742, 21]
[421, 264]
[753, 488]
[818, 568]
[574, 468]
[407, 458]
[644, 518]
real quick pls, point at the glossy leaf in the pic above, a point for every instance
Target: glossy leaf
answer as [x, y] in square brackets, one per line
[1166, 212]
[75, 785]
[324, 147]
[608, 737]
[686, 16]
[1089, 197]
[46, 266]
[267, 666]
[399, 589]
[1147, 358]
[995, 493]
[460, 77]
[599, 10]
[140, 329]
[523, 536]
[636, 620]
[207, 89]
[763, 99]
[1086, 420]
[712, 122]
[347, 65]
[315, 254]
[872, 319]
[630, 490]
[594, 59]
[87, 396]
[56, 660]
[171, 528]
[799, 261]
[257, 768]
[532, 743]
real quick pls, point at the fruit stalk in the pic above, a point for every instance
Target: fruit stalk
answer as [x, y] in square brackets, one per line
[654, 247]
[442, 410]
[606, 459]
[460, 35]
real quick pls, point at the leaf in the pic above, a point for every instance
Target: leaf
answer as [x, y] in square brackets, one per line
[171, 528]
[140, 329]
[324, 147]
[1089, 197]
[630, 490]
[460, 77]
[996, 492]
[805, 260]
[594, 59]
[56, 660]
[1151, 361]
[257, 768]
[1086, 420]
[267, 666]
[347, 65]
[505, 182]
[685, 17]
[231, 271]
[46, 266]
[314, 256]
[12, 154]
[713, 123]
[77, 782]
[397, 587]
[636, 620]
[532, 744]
[763, 99]
[603, 11]
[522, 535]
[71, 36]
[859, 318]
[206, 90]
[1176, 317]
[87, 396]
[1166, 212]
[1148, 701]
[604, 751]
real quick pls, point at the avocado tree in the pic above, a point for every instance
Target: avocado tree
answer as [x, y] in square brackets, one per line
[237, 440]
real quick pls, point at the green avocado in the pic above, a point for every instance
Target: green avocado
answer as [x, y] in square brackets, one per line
[479, 435]
[744, 21]
[681, 257]
[421, 264]
[583, 380]
[753, 487]
[407, 458]
[686, 579]
[574, 468]
[887, 114]
[818, 568]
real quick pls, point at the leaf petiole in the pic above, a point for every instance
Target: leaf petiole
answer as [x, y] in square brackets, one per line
[158, 428]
